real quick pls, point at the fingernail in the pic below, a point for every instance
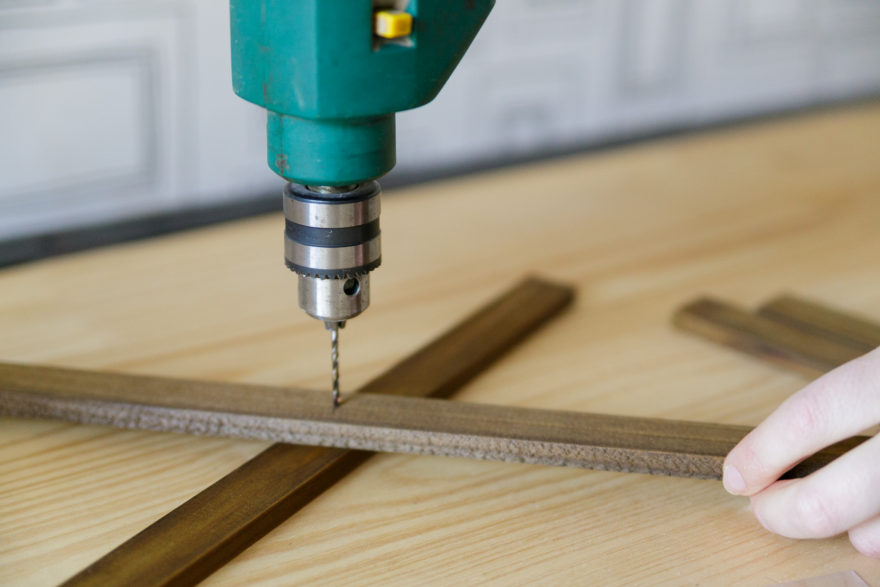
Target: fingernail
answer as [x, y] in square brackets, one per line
[733, 481]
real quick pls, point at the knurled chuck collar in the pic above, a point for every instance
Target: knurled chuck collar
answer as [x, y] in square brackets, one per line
[332, 242]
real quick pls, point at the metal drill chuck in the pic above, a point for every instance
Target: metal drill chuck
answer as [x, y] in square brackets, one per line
[331, 240]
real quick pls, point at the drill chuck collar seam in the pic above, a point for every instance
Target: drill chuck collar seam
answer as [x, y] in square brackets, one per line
[350, 259]
[335, 274]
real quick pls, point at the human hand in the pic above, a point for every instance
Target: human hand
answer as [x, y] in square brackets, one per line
[842, 496]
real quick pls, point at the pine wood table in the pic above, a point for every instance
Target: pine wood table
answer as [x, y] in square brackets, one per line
[745, 213]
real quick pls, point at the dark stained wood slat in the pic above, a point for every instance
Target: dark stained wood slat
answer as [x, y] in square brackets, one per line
[204, 533]
[382, 423]
[855, 331]
[808, 353]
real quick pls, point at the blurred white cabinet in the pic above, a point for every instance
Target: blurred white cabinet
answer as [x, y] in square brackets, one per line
[116, 109]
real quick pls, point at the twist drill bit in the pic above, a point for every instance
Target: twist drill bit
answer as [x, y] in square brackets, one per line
[334, 327]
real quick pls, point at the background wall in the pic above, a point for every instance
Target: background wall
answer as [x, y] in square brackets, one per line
[112, 109]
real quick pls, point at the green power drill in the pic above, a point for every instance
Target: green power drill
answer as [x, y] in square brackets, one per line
[332, 74]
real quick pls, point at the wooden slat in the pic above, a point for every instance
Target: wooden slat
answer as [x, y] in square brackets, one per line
[857, 332]
[807, 353]
[381, 422]
[204, 533]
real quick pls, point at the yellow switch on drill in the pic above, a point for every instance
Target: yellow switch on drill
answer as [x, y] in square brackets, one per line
[392, 24]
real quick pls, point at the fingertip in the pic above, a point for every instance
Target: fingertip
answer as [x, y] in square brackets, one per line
[866, 538]
[762, 506]
[733, 481]
[753, 505]
[742, 469]
[745, 468]
[758, 507]
[866, 549]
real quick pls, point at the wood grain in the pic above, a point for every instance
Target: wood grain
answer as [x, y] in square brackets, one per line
[378, 422]
[809, 353]
[860, 333]
[194, 540]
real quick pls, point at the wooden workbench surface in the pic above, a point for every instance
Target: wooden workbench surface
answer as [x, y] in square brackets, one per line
[792, 205]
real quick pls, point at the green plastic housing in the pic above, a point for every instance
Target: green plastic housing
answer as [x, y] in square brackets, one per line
[331, 87]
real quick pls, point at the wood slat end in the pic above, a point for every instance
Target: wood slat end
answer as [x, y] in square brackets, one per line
[854, 331]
